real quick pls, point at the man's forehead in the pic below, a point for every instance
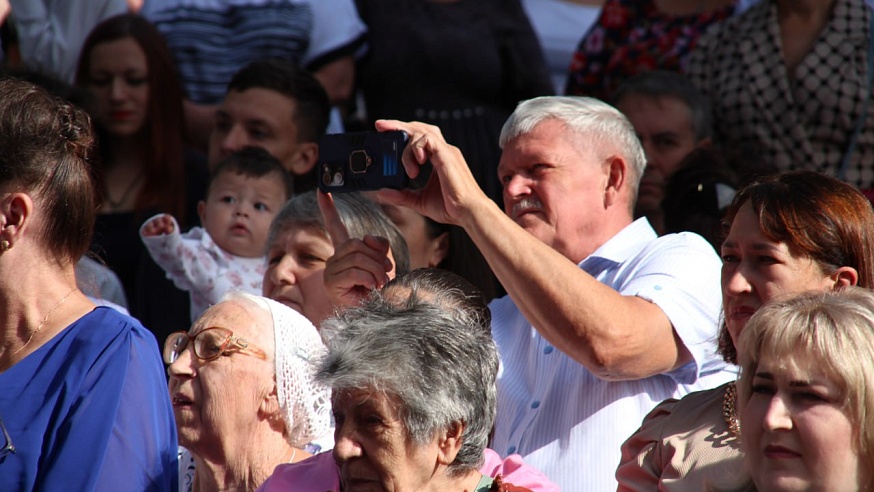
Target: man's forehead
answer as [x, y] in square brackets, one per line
[542, 143]
[660, 108]
[257, 103]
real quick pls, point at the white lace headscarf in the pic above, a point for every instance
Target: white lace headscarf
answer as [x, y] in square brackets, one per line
[305, 404]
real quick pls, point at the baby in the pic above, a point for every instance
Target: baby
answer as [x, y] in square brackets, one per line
[246, 190]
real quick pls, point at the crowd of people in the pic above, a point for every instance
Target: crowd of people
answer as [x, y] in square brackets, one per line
[636, 257]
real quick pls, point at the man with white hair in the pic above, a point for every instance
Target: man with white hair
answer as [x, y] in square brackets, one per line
[603, 318]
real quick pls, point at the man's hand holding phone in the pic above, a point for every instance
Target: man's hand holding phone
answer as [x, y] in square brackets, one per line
[451, 192]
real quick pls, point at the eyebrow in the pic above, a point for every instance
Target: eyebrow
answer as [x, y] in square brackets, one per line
[221, 113]
[796, 383]
[256, 122]
[754, 246]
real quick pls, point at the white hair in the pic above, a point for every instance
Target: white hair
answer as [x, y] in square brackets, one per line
[594, 126]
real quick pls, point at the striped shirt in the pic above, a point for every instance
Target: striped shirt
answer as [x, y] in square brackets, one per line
[565, 421]
[212, 39]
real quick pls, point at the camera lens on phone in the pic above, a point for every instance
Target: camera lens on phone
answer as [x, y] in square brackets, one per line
[331, 177]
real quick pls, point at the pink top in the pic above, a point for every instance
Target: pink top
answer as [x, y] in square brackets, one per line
[319, 474]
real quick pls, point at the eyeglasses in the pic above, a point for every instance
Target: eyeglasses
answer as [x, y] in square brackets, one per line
[8, 447]
[209, 344]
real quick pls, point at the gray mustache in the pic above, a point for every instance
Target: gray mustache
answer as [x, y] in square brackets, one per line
[525, 204]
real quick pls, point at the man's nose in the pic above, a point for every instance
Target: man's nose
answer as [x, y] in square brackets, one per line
[235, 139]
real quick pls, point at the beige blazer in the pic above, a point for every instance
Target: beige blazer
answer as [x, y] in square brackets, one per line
[683, 445]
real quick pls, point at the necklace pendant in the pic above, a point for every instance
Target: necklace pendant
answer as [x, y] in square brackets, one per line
[729, 409]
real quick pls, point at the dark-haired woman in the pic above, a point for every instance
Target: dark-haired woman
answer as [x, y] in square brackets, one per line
[789, 233]
[144, 167]
[83, 403]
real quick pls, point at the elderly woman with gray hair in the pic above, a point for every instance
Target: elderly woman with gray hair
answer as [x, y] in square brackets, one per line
[412, 369]
[301, 244]
[243, 393]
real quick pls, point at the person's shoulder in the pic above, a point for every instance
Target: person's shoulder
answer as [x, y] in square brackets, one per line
[723, 34]
[693, 408]
[107, 325]
[318, 472]
[107, 345]
[673, 439]
[499, 303]
[513, 474]
[657, 419]
[687, 242]
[663, 417]
[108, 318]
[694, 399]
[504, 312]
[701, 397]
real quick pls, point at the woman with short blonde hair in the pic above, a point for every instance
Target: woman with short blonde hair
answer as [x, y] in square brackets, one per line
[806, 395]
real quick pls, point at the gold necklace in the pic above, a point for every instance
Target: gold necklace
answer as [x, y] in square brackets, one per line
[43, 322]
[729, 411]
[115, 204]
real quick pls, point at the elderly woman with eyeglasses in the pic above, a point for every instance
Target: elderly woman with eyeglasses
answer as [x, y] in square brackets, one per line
[243, 393]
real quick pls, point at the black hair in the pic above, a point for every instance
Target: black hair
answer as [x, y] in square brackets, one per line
[312, 107]
[662, 83]
[253, 162]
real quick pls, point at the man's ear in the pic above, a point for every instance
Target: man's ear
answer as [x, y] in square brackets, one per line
[449, 443]
[704, 143]
[617, 180]
[16, 211]
[303, 161]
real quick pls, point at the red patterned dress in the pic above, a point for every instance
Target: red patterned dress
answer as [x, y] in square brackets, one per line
[633, 36]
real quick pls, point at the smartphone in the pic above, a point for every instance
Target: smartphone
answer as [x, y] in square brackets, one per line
[361, 161]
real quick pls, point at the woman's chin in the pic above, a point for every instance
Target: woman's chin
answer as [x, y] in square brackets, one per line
[736, 326]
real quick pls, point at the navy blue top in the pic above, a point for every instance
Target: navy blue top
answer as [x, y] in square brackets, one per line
[90, 410]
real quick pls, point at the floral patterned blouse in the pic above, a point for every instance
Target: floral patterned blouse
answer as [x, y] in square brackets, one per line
[633, 36]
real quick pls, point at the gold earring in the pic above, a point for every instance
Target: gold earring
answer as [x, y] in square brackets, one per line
[5, 246]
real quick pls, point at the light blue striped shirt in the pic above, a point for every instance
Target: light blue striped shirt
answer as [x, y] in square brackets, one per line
[212, 39]
[560, 417]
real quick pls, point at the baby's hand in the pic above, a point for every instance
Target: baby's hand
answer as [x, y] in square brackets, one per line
[162, 224]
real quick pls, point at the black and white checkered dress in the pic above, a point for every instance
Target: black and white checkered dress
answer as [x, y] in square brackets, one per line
[803, 123]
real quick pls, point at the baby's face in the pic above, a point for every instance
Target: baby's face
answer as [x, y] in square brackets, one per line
[238, 211]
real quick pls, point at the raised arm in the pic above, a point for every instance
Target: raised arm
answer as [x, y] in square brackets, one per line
[184, 258]
[615, 336]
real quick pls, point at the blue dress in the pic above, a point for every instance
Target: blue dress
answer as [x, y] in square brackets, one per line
[90, 410]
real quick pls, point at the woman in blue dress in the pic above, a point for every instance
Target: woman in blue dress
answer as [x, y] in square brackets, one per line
[83, 400]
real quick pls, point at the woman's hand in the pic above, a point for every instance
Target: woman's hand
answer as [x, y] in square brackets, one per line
[157, 226]
[357, 265]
